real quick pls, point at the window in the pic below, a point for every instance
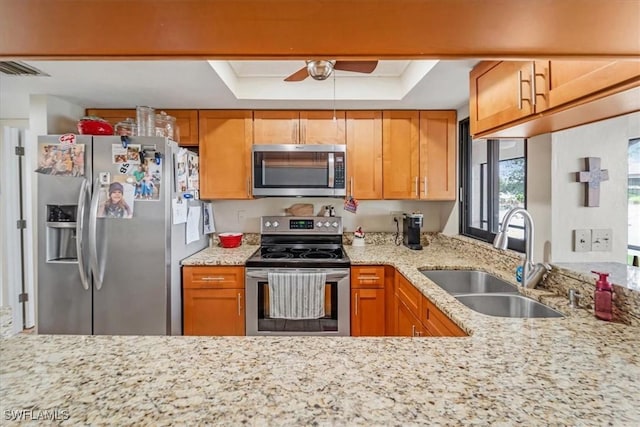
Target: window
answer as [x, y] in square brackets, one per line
[493, 178]
[633, 192]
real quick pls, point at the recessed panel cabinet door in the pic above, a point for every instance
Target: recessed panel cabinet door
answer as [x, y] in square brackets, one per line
[364, 154]
[572, 80]
[500, 93]
[225, 154]
[276, 127]
[367, 312]
[438, 155]
[214, 312]
[400, 154]
[322, 127]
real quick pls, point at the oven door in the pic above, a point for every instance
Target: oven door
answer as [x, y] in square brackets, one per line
[336, 321]
[299, 170]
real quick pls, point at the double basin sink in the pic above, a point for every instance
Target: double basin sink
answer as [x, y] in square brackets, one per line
[487, 294]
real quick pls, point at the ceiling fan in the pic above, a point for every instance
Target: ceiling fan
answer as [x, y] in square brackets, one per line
[321, 69]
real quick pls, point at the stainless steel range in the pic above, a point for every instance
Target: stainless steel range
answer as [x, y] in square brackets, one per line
[297, 282]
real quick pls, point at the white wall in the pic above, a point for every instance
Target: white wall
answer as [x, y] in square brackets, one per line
[20, 124]
[539, 194]
[608, 140]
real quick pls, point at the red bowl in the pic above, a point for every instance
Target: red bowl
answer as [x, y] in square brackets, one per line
[94, 126]
[230, 240]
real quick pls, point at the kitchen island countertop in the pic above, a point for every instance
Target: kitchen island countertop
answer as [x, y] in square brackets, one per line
[568, 371]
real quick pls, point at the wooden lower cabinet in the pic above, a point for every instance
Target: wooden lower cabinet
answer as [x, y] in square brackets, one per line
[407, 324]
[436, 323]
[367, 312]
[213, 300]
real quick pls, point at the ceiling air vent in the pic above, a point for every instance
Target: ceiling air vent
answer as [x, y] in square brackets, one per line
[16, 68]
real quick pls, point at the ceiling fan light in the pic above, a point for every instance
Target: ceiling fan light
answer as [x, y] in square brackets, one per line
[320, 70]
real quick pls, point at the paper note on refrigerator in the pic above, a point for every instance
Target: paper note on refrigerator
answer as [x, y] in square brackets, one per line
[207, 221]
[179, 210]
[193, 224]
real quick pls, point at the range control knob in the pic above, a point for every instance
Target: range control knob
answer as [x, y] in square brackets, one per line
[327, 224]
[267, 224]
[276, 223]
[334, 224]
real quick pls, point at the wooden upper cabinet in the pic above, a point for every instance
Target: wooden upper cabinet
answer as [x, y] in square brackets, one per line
[298, 127]
[571, 80]
[187, 124]
[186, 121]
[276, 127]
[319, 127]
[500, 92]
[438, 155]
[504, 104]
[400, 154]
[225, 154]
[364, 154]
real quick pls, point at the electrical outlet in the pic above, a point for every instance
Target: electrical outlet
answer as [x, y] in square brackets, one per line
[581, 240]
[601, 239]
[397, 215]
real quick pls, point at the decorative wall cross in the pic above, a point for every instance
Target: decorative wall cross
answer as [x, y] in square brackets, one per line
[593, 176]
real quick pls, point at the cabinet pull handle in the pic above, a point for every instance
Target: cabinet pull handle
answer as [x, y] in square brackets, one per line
[368, 278]
[212, 279]
[248, 186]
[425, 186]
[351, 186]
[533, 84]
[427, 314]
[413, 330]
[519, 90]
[418, 333]
[239, 304]
[417, 190]
[357, 298]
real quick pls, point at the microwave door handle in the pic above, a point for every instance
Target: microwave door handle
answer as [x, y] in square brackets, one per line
[332, 169]
[264, 173]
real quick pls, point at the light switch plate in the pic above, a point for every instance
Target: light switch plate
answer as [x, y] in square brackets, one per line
[601, 239]
[581, 240]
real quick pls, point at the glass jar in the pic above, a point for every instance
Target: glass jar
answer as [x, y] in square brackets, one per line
[146, 119]
[126, 127]
[165, 125]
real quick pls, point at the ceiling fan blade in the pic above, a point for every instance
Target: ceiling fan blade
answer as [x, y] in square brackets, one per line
[356, 66]
[298, 76]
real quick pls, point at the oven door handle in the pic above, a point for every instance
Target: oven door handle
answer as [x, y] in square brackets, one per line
[331, 274]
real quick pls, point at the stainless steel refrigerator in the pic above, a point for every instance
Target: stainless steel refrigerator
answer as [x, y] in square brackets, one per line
[106, 275]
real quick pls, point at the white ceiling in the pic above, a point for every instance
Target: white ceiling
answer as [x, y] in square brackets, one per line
[254, 85]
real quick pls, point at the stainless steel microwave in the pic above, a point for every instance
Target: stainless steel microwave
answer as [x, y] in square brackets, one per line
[294, 170]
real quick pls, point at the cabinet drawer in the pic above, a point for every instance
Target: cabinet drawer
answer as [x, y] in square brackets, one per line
[408, 294]
[437, 323]
[370, 276]
[213, 277]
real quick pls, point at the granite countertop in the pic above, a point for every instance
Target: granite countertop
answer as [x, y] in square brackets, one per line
[569, 371]
[216, 255]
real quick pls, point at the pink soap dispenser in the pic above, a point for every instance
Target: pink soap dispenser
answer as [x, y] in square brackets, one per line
[603, 297]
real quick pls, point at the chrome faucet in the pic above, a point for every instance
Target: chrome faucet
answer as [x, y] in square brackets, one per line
[532, 273]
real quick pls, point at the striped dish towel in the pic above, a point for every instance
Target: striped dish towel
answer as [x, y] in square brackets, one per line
[296, 295]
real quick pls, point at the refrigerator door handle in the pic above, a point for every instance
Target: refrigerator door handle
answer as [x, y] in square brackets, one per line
[93, 231]
[82, 199]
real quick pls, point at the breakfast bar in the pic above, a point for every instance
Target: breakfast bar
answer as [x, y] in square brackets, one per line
[573, 370]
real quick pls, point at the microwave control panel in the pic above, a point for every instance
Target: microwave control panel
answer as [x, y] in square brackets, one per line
[339, 178]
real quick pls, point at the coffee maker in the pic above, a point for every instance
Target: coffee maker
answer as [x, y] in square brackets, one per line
[411, 224]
